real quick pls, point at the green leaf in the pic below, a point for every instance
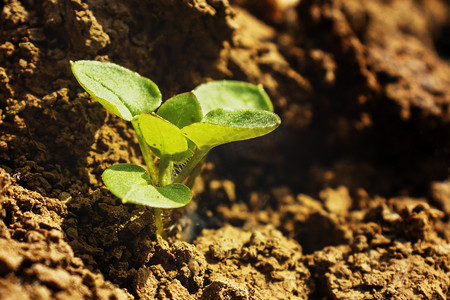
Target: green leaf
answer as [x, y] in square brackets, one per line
[174, 195]
[229, 94]
[222, 126]
[181, 110]
[131, 183]
[242, 118]
[122, 178]
[122, 91]
[164, 138]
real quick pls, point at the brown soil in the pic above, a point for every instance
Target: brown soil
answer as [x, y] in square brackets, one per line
[348, 199]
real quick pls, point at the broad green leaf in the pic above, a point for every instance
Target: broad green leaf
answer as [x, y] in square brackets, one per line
[122, 91]
[181, 110]
[131, 183]
[122, 178]
[164, 138]
[242, 118]
[222, 126]
[174, 195]
[229, 94]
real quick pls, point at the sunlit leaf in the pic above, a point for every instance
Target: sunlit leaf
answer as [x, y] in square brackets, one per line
[222, 126]
[181, 110]
[229, 94]
[164, 138]
[131, 183]
[122, 91]
[174, 195]
[122, 178]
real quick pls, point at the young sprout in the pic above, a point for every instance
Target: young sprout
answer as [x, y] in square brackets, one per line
[181, 132]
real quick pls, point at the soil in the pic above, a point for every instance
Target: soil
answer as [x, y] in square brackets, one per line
[348, 199]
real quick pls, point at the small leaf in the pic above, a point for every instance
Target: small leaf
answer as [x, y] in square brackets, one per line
[122, 178]
[181, 110]
[229, 94]
[164, 138]
[131, 183]
[122, 91]
[222, 126]
[174, 195]
[242, 118]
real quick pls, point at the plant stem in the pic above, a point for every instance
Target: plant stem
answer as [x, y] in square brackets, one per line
[197, 159]
[165, 177]
[153, 172]
[157, 213]
[165, 171]
[146, 153]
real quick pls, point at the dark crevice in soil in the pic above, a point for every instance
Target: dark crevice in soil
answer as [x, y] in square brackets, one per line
[442, 43]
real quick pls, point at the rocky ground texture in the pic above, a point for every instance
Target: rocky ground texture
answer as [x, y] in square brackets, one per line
[348, 199]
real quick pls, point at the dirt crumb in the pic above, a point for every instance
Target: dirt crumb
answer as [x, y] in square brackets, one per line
[224, 289]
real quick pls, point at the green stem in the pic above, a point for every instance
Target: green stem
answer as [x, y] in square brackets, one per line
[196, 160]
[153, 172]
[157, 213]
[165, 171]
[146, 153]
[165, 176]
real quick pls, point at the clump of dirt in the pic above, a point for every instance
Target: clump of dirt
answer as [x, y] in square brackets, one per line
[400, 257]
[175, 271]
[269, 263]
[358, 247]
[36, 262]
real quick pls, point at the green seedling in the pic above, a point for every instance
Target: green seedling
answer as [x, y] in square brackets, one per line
[176, 135]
